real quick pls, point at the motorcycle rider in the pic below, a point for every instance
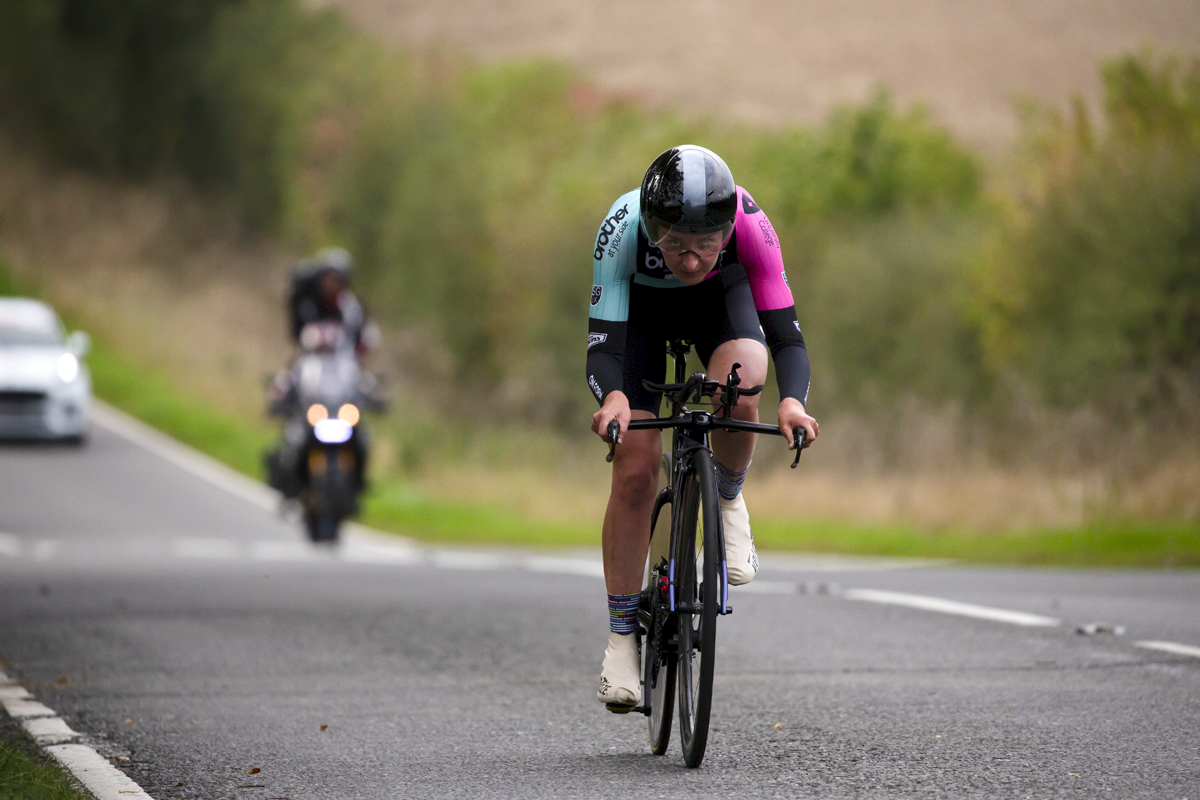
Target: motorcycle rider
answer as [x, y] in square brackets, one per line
[320, 300]
[321, 293]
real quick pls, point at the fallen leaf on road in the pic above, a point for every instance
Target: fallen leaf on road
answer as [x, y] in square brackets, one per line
[778, 725]
[122, 758]
[62, 678]
[179, 784]
[128, 722]
[253, 771]
[323, 727]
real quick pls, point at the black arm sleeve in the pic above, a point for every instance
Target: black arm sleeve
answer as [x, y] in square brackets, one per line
[605, 357]
[792, 370]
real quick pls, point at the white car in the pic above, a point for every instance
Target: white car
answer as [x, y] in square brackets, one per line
[45, 388]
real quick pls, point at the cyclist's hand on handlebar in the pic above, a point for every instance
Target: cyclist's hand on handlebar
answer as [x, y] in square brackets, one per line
[615, 408]
[791, 416]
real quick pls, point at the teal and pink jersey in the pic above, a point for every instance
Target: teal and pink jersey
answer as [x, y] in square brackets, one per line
[623, 257]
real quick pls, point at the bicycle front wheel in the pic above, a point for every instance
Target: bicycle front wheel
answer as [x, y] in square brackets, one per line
[697, 559]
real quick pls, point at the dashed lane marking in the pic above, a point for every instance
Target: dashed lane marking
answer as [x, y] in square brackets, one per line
[10, 545]
[1171, 647]
[939, 605]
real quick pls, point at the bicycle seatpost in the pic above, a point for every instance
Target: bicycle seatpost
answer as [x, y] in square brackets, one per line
[614, 432]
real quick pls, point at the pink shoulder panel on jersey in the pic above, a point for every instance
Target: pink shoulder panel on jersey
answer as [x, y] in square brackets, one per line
[758, 251]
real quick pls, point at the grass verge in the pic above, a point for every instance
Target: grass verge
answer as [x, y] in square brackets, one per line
[1117, 545]
[26, 773]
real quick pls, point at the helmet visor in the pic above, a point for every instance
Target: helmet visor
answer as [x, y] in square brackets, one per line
[678, 239]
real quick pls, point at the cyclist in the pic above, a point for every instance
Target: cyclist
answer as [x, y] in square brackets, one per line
[687, 256]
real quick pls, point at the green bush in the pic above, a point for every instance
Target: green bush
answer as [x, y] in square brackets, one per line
[1097, 298]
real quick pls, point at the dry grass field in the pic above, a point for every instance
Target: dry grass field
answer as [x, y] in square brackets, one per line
[772, 62]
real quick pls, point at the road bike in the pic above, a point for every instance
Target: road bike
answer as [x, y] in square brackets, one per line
[687, 586]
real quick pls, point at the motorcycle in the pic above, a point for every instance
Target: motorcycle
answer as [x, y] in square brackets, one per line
[320, 463]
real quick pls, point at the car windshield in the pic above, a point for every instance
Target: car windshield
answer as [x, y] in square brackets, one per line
[28, 324]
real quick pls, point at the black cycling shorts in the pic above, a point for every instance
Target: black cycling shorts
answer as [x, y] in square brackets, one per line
[708, 314]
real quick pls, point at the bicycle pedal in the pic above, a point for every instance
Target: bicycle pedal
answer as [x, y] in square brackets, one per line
[620, 709]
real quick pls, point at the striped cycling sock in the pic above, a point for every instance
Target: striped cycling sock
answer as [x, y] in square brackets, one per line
[622, 613]
[729, 483]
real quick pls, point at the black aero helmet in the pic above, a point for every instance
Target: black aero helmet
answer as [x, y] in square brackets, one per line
[688, 189]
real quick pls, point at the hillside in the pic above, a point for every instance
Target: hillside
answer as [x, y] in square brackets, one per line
[769, 62]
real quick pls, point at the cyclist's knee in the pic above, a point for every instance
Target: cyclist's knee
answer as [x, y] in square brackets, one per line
[635, 473]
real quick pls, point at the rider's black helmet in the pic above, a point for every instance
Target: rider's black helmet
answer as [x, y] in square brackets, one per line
[688, 189]
[334, 259]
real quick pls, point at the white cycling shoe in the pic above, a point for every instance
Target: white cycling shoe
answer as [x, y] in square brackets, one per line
[620, 676]
[741, 559]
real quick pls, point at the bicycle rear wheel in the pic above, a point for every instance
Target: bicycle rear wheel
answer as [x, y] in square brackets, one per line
[697, 559]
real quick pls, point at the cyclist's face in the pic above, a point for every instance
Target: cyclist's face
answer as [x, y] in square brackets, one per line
[690, 256]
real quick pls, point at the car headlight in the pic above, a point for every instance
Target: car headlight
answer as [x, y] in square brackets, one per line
[67, 367]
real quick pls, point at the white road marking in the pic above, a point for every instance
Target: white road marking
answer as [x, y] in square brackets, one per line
[283, 551]
[465, 559]
[196, 547]
[1171, 647]
[766, 587]
[19, 708]
[49, 730]
[949, 607]
[830, 562]
[10, 545]
[101, 778]
[98, 776]
[592, 568]
[45, 549]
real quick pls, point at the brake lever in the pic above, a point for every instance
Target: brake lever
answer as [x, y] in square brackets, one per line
[614, 433]
[798, 436]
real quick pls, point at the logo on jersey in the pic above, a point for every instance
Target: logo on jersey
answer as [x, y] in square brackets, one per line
[596, 338]
[796, 322]
[748, 205]
[608, 229]
[785, 280]
[768, 232]
[597, 293]
[595, 387]
[654, 266]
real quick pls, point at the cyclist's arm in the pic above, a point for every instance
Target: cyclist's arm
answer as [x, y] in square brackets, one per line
[612, 270]
[759, 253]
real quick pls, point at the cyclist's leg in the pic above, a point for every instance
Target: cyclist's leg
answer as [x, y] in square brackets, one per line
[626, 532]
[735, 450]
[735, 337]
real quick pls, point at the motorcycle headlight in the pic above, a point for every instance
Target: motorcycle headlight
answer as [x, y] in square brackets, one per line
[349, 413]
[333, 431]
[316, 413]
[67, 367]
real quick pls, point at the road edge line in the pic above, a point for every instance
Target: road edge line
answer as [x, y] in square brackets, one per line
[92, 771]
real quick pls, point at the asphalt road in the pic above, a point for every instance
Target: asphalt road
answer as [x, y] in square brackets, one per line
[189, 630]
